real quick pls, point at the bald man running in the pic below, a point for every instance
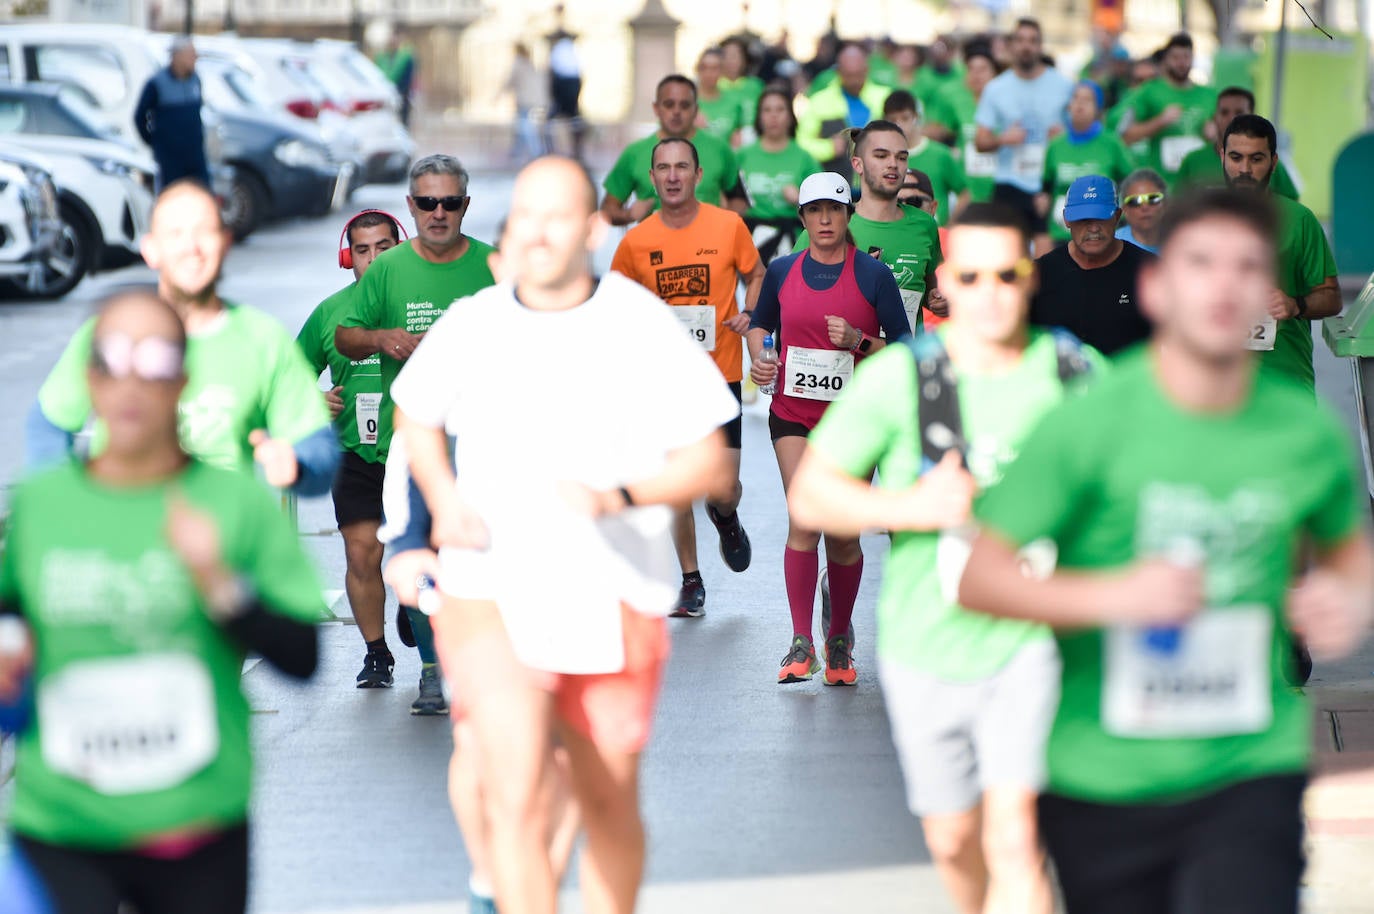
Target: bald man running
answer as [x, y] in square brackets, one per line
[250, 396]
[527, 658]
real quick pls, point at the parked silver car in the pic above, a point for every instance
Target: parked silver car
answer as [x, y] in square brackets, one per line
[33, 248]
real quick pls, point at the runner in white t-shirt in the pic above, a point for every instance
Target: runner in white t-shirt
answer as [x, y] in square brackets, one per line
[556, 562]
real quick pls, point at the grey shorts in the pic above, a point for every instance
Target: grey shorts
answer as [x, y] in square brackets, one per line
[956, 739]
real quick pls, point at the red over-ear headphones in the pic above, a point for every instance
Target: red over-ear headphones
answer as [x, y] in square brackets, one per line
[346, 249]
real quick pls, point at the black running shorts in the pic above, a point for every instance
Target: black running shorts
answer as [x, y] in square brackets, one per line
[1237, 850]
[358, 490]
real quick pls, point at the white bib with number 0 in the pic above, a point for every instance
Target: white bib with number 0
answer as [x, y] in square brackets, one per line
[368, 409]
[818, 374]
[1174, 149]
[1262, 335]
[129, 724]
[1214, 682]
[700, 322]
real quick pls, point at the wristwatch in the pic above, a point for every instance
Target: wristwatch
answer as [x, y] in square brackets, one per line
[1302, 305]
[865, 344]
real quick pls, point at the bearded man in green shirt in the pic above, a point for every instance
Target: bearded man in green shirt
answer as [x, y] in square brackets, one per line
[1306, 288]
[1177, 492]
[1171, 111]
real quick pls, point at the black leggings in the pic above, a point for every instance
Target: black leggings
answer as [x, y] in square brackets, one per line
[212, 880]
[1235, 851]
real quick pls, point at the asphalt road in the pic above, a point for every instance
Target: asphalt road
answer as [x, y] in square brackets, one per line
[756, 796]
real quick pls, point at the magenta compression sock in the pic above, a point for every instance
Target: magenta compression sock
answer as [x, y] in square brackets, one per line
[800, 570]
[844, 590]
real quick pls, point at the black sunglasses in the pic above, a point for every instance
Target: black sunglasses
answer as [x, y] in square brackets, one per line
[917, 200]
[430, 204]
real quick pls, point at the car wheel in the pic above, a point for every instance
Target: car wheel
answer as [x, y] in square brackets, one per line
[245, 205]
[69, 259]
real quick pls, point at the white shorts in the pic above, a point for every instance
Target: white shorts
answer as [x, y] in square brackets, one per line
[957, 739]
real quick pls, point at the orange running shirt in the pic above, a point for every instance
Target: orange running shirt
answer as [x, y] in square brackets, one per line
[696, 269]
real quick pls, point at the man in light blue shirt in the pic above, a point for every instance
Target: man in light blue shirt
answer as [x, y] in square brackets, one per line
[1018, 114]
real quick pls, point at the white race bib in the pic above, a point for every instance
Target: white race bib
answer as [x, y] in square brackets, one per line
[1209, 678]
[700, 322]
[911, 301]
[979, 164]
[1262, 335]
[818, 374]
[129, 724]
[368, 409]
[1173, 150]
[1028, 162]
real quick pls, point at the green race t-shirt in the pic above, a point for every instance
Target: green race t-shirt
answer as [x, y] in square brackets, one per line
[929, 82]
[746, 91]
[403, 290]
[107, 599]
[722, 115]
[946, 176]
[361, 380]
[1066, 162]
[1203, 168]
[1305, 261]
[1170, 145]
[244, 373]
[954, 108]
[910, 246]
[629, 176]
[875, 424]
[1114, 475]
[766, 174]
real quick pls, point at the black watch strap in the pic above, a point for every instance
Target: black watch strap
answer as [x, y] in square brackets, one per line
[1302, 305]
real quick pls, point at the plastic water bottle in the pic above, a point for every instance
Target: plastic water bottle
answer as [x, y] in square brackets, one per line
[769, 354]
[14, 639]
[428, 601]
[1184, 552]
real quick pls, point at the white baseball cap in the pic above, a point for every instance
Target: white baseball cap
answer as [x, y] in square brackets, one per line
[825, 185]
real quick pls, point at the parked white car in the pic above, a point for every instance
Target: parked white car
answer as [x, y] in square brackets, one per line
[333, 87]
[30, 230]
[110, 63]
[104, 187]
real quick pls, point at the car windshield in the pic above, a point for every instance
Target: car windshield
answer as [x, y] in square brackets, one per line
[44, 115]
[83, 107]
[356, 63]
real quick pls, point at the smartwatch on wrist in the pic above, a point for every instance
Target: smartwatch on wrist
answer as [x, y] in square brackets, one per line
[1302, 305]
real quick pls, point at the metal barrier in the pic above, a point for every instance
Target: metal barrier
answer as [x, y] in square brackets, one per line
[1350, 335]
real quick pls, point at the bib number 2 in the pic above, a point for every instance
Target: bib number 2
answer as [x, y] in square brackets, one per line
[1262, 335]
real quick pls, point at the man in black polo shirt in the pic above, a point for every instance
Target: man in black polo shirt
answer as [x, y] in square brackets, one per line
[1088, 286]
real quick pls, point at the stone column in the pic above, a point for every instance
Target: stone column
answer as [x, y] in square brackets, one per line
[653, 44]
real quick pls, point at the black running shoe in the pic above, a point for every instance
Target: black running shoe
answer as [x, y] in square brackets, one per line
[734, 542]
[691, 601]
[376, 672]
[403, 627]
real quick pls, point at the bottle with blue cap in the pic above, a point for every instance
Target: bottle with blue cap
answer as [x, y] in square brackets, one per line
[769, 354]
[1183, 552]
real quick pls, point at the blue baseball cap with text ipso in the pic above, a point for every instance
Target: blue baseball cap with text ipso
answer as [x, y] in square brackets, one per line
[1090, 197]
